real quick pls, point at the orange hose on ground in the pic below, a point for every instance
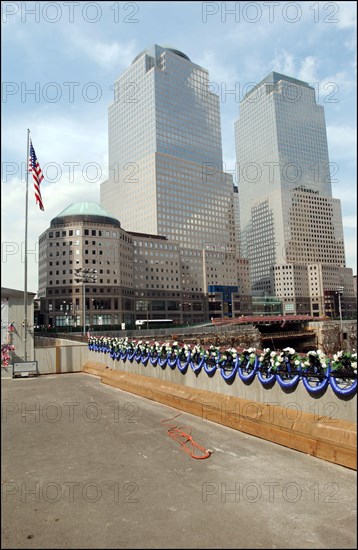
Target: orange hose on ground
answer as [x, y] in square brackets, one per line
[177, 433]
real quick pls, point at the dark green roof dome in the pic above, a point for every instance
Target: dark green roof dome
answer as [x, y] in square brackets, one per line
[151, 50]
[174, 50]
[85, 211]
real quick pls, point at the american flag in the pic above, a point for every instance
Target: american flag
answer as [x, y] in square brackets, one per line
[37, 175]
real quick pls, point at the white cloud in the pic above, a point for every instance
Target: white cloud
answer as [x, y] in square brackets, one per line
[307, 71]
[342, 140]
[335, 87]
[284, 62]
[218, 70]
[347, 15]
[350, 221]
[107, 55]
[351, 42]
[350, 246]
[329, 88]
[303, 69]
[59, 137]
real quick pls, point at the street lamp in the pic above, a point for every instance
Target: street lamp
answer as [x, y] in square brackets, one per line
[85, 275]
[339, 292]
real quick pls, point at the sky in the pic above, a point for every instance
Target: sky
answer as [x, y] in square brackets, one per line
[60, 61]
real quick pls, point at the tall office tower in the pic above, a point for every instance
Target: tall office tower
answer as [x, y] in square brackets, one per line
[165, 165]
[290, 226]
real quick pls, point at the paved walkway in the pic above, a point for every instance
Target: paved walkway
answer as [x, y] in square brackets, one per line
[89, 466]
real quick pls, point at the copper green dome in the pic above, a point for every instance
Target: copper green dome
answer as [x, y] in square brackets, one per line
[85, 211]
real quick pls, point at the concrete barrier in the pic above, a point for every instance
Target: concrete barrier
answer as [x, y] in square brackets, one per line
[6, 372]
[327, 438]
[70, 358]
[61, 357]
[294, 402]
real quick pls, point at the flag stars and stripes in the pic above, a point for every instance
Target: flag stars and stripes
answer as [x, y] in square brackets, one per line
[37, 175]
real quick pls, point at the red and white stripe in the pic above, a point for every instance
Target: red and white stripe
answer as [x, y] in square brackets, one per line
[37, 175]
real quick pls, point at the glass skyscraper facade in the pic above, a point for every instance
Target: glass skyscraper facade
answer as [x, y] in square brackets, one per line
[288, 217]
[165, 165]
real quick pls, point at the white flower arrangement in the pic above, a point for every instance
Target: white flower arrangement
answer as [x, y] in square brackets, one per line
[316, 359]
[343, 360]
[250, 354]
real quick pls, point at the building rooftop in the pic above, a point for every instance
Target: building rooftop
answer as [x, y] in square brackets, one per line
[274, 78]
[14, 292]
[87, 208]
[86, 211]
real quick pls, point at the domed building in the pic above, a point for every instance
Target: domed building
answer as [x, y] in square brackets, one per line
[85, 252]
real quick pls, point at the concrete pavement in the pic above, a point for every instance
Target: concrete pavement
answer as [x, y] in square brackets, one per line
[85, 465]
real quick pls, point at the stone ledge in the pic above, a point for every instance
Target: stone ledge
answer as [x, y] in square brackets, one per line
[326, 438]
[6, 372]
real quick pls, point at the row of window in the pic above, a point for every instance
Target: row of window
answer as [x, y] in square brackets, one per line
[71, 282]
[87, 232]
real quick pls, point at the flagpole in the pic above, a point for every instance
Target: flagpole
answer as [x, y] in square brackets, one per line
[25, 263]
